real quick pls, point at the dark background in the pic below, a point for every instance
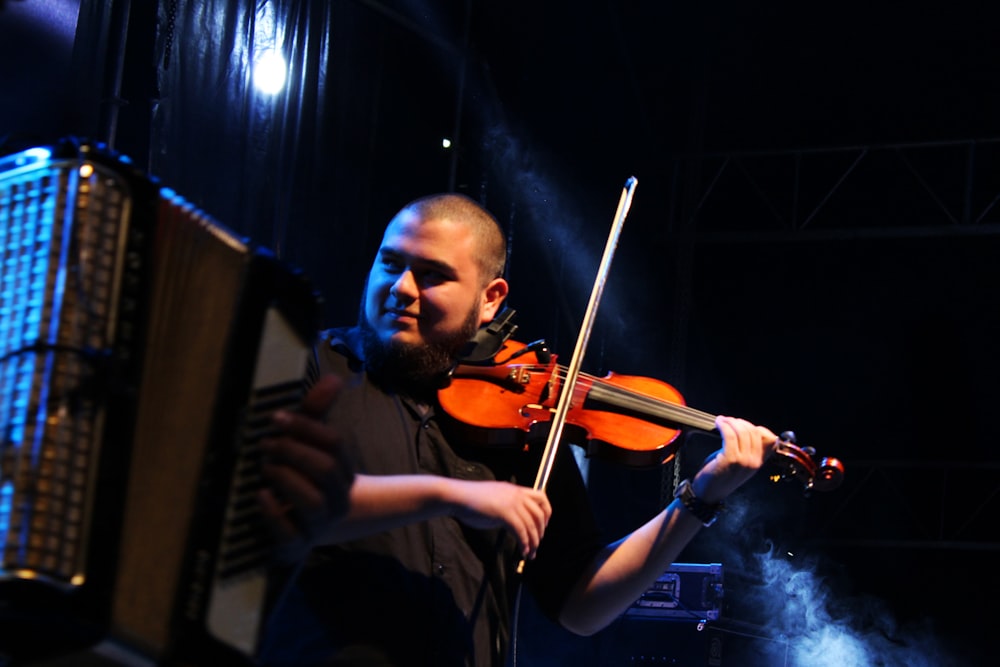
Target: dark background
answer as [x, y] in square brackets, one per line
[812, 242]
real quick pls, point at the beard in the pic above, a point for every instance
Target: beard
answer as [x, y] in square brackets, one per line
[417, 371]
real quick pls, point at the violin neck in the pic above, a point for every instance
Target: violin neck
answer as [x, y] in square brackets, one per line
[624, 401]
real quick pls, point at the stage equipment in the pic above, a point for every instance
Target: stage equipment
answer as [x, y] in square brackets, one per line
[672, 623]
[687, 591]
[143, 348]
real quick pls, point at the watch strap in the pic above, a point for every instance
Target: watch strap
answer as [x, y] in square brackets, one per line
[707, 513]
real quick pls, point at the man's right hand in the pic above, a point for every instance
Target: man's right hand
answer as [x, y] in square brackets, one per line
[524, 512]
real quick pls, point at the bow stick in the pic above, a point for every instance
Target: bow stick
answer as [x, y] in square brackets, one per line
[573, 369]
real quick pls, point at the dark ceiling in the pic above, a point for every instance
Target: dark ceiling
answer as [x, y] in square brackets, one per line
[736, 75]
[720, 76]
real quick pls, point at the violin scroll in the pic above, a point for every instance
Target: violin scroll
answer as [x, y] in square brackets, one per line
[798, 463]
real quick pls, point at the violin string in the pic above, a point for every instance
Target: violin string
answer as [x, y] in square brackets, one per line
[801, 464]
[652, 405]
[641, 402]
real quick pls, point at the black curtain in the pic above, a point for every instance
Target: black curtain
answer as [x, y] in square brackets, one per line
[312, 171]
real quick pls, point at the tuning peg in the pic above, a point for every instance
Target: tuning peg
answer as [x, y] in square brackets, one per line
[788, 436]
[830, 474]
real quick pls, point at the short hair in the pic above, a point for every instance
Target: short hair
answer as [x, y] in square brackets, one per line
[489, 236]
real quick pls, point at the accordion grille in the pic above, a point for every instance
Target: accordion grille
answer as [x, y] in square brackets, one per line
[61, 226]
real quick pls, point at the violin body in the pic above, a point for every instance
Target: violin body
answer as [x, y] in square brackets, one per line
[516, 396]
[507, 400]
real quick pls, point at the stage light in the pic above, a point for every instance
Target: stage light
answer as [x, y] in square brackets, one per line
[269, 72]
[446, 143]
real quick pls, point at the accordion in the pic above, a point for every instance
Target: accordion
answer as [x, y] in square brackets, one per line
[144, 347]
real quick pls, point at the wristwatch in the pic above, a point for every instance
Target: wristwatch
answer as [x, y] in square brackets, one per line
[707, 513]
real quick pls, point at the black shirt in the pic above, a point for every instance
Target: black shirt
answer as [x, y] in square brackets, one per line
[433, 593]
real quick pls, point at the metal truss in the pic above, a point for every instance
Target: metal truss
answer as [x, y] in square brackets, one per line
[901, 190]
[944, 189]
[912, 505]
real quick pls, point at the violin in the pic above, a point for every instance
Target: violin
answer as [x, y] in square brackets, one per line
[512, 391]
[505, 388]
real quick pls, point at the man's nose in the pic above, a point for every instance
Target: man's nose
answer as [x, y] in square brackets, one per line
[405, 286]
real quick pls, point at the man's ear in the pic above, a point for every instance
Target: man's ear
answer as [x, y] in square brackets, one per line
[493, 296]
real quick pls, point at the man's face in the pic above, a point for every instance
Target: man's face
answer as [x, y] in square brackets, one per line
[425, 286]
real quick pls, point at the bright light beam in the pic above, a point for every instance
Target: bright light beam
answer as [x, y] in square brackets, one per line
[269, 72]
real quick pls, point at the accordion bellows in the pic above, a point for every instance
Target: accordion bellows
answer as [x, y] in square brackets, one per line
[143, 347]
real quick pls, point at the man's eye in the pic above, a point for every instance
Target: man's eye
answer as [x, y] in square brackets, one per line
[433, 277]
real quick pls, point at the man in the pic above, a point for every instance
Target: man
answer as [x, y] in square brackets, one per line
[421, 568]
